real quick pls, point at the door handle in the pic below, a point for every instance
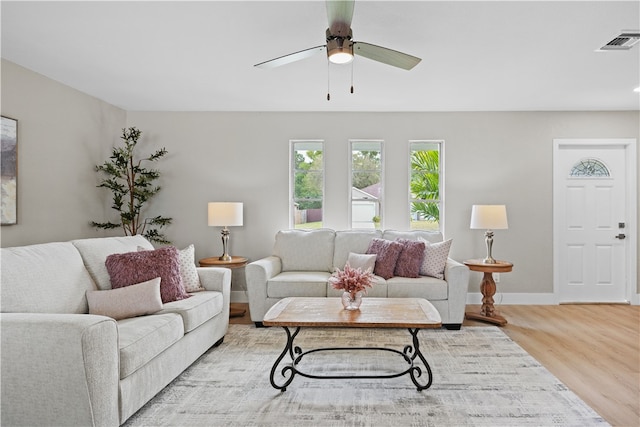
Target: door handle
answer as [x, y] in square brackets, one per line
[621, 236]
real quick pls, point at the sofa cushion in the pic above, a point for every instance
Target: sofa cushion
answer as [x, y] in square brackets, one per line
[140, 339]
[298, 284]
[302, 250]
[196, 310]
[428, 288]
[130, 301]
[410, 258]
[430, 236]
[94, 253]
[134, 267]
[188, 271]
[356, 241]
[362, 261]
[44, 278]
[387, 253]
[435, 259]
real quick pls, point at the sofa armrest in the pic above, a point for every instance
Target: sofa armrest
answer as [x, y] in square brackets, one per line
[217, 279]
[59, 369]
[257, 274]
[457, 276]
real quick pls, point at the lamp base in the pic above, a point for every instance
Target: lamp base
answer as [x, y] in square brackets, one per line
[225, 243]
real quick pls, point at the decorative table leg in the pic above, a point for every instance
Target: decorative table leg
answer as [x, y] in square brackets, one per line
[488, 290]
[415, 371]
[288, 370]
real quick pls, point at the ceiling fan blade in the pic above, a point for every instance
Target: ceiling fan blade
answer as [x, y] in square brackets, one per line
[340, 14]
[385, 55]
[292, 57]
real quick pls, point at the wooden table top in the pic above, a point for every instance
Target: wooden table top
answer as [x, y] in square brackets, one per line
[236, 261]
[373, 313]
[479, 265]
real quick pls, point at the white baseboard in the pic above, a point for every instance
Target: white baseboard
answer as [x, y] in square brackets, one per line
[527, 299]
[515, 298]
[239, 296]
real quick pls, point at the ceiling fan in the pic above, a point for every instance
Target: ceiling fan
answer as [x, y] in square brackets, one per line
[341, 48]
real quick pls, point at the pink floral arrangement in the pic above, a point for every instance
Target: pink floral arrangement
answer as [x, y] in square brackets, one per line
[351, 280]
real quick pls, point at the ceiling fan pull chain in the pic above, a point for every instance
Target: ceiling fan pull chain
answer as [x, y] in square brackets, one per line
[352, 74]
[328, 80]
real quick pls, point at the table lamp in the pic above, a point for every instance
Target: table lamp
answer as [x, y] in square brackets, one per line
[225, 214]
[489, 218]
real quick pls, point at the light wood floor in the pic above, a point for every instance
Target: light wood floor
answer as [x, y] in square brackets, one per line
[593, 349]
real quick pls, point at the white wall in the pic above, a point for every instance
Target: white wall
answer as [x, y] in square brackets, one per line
[62, 134]
[489, 158]
[502, 157]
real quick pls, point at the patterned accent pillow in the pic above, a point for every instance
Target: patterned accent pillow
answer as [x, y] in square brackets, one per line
[435, 258]
[387, 252]
[130, 301]
[188, 271]
[410, 259]
[362, 261]
[135, 267]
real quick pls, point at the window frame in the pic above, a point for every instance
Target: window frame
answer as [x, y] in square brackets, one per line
[441, 177]
[293, 201]
[380, 199]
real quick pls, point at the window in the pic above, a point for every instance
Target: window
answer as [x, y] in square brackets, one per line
[307, 184]
[425, 185]
[366, 184]
[589, 168]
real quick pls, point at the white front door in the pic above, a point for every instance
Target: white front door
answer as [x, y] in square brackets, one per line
[591, 220]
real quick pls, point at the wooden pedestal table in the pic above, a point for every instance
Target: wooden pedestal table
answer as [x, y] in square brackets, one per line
[488, 289]
[236, 262]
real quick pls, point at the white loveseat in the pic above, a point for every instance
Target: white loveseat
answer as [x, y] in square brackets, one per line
[303, 261]
[64, 367]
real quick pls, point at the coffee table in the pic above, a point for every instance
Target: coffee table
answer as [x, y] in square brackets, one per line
[296, 312]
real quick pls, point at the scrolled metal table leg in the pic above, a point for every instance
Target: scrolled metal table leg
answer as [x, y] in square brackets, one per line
[289, 369]
[415, 371]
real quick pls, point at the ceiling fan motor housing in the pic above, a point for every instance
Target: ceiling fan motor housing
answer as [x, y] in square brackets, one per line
[339, 49]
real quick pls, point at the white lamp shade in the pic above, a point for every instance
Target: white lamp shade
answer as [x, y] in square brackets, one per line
[225, 214]
[489, 217]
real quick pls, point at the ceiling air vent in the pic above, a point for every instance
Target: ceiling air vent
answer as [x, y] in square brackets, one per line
[624, 41]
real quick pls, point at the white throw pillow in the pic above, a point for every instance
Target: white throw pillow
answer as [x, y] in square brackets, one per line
[362, 261]
[188, 271]
[435, 258]
[129, 301]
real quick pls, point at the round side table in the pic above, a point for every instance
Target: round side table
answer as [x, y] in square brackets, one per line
[488, 288]
[236, 262]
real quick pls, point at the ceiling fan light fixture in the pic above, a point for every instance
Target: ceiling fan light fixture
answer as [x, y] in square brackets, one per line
[340, 56]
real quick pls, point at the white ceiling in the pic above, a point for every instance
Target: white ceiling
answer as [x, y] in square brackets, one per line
[199, 56]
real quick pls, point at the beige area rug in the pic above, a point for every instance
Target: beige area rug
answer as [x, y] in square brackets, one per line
[480, 378]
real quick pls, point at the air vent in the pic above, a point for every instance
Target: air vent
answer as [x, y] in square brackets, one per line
[624, 41]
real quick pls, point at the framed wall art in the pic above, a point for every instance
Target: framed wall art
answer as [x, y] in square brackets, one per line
[9, 169]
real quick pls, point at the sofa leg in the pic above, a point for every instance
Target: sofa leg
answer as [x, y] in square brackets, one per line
[452, 326]
[260, 325]
[220, 341]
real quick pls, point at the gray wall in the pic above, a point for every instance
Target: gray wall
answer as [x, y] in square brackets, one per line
[501, 157]
[62, 134]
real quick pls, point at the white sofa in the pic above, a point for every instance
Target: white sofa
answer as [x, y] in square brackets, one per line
[64, 367]
[303, 261]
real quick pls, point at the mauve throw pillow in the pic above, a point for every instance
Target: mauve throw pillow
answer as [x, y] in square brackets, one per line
[135, 267]
[387, 252]
[410, 258]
